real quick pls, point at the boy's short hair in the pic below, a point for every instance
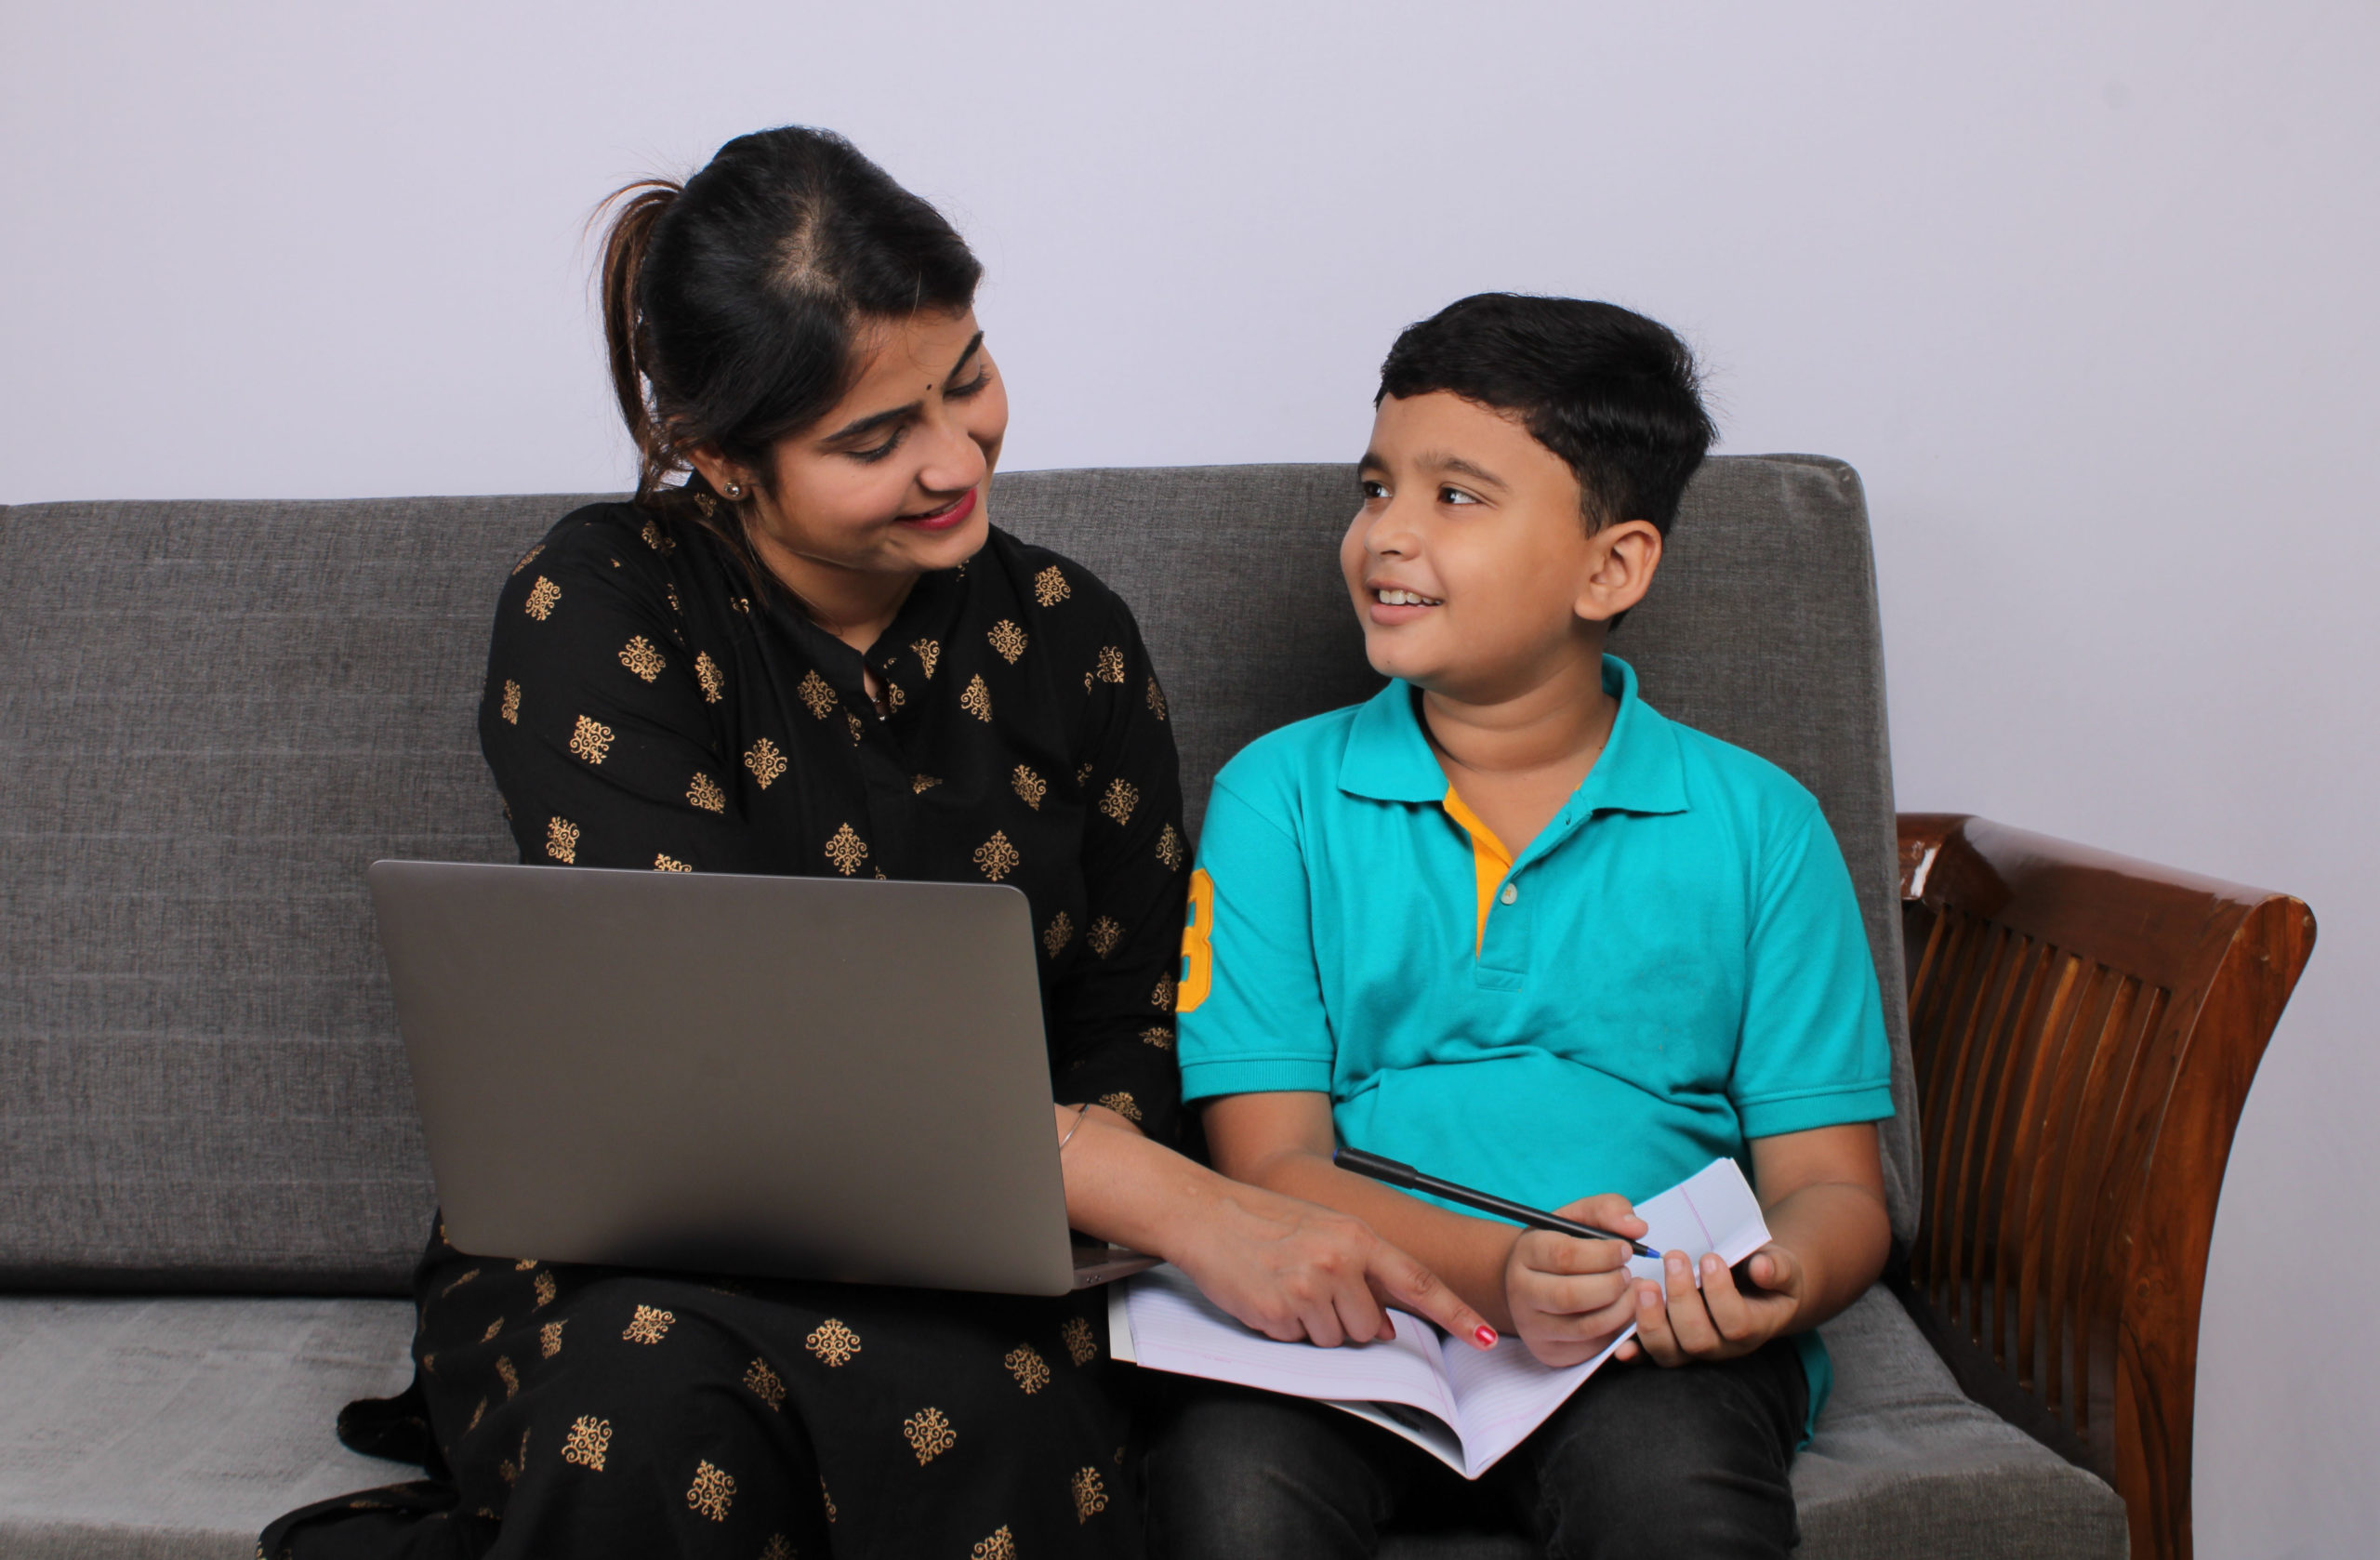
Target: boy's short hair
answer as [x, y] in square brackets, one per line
[1616, 395]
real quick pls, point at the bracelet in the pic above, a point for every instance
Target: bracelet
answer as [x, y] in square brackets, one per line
[1080, 1111]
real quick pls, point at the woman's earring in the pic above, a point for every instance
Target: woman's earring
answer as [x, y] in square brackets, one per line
[734, 491]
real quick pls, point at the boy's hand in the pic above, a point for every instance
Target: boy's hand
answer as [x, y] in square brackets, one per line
[1569, 1296]
[1719, 1320]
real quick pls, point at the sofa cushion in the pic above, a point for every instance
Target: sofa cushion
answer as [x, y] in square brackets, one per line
[170, 1428]
[220, 713]
[138, 1429]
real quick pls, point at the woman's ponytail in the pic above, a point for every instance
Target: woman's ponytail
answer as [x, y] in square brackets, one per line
[637, 209]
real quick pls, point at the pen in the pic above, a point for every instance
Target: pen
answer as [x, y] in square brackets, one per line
[1412, 1180]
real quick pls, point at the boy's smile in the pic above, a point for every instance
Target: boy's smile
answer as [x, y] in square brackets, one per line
[1471, 564]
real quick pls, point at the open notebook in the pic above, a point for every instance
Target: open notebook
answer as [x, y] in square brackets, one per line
[1466, 1406]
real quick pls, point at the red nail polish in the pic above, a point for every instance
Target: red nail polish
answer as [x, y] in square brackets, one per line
[1487, 1336]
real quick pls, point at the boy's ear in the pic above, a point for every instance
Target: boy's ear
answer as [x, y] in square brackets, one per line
[1620, 561]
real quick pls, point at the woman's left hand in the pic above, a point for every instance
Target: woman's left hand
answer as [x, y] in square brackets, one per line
[1719, 1320]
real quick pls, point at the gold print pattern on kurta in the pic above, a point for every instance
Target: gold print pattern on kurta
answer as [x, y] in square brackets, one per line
[1122, 798]
[705, 793]
[846, 849]
[1161, 994]
[1000, 1545]
[1157, 699]
[1090, 1496]
[815, 693]
[833, 1343]
[590, 739]
[511, 708]
[929, 1435]
[712, 1492]
[1081, 1347]
[1122, 1105]
[827, 1499]
[509, 1469]
[549, 1338]
[853, 721]
[648, 1326]
[996, 856]
[528, 557]
[508, 1376]
[459, 1282]
[1105, 932]
[765, 763]
[1058, 933]
[764, 1383]
[493, 1328]
[543, 595]
[977, 700]
[1024, 1363]
[477, 1412]
[664, 861]
[544, 1284]
[1049, 587]
[923, 783]
[1109, 668]
[777, 1548]
[656, 538]
[1159, 1036]
[929, 652]
[1008, 638]
[588, 1440]
[640, 657]
[561, 840]
[1170, 849]
[714, 680]
[1030, 787]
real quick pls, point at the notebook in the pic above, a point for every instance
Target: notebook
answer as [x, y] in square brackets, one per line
[1466, 1406]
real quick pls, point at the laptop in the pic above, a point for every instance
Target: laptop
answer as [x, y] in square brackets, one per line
[801, 1077]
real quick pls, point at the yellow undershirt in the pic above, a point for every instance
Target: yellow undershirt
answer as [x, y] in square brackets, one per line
[1489, 861]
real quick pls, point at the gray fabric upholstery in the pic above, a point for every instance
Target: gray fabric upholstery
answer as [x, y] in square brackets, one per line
[218, 713]
[155, 1428]
[172, 1428]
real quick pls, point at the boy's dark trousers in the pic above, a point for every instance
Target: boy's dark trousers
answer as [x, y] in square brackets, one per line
[1642, 1461]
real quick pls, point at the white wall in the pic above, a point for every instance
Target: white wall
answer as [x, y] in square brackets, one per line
[2086, 289]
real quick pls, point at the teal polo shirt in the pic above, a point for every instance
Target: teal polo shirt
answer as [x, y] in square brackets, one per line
[1676, 965]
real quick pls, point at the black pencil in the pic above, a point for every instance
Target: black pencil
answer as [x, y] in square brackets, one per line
[1411, 1179]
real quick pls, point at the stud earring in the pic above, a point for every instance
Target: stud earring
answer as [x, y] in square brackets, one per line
[734, 491]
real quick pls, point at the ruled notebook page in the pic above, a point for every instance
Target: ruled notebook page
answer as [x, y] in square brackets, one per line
[1485, 1402]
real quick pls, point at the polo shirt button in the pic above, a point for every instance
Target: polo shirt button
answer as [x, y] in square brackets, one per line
[1512, 892]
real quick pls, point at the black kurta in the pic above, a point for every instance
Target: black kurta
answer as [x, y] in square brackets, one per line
[649, 706]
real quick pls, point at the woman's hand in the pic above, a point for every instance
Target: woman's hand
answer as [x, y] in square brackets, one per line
[1719, 1320]
[1569, 1296]
[1295, 1270]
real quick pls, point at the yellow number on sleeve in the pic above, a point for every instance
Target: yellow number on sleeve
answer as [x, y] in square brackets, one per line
[1197, 948]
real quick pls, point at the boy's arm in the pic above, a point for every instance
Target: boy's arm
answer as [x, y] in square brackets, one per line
[1822, 1192]
[1283, 1142]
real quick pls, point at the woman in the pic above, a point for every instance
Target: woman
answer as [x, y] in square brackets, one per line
[802, 649]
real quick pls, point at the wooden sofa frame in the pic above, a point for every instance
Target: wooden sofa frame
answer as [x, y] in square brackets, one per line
[2085, 1028]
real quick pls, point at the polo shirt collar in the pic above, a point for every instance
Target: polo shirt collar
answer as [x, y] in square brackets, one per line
[1388, 756]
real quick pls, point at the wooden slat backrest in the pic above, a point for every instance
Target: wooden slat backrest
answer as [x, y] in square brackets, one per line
[2086, 1028]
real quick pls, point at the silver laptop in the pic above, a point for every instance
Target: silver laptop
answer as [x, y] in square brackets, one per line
[788, 1077]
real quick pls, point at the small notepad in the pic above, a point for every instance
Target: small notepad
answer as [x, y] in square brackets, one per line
[1466, 1406]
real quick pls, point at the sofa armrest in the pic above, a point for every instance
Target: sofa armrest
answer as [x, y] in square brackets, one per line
[2085, 1028]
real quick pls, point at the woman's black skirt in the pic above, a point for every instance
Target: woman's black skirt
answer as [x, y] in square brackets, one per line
[597, 1412]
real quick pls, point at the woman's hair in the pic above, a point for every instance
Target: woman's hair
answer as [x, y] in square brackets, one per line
[733, 303]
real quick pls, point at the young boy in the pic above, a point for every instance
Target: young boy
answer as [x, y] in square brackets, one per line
[1507, 923]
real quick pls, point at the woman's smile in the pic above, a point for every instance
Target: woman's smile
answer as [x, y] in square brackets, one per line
[943, 519]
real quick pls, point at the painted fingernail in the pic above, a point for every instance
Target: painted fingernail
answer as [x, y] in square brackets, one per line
[1487, 1336]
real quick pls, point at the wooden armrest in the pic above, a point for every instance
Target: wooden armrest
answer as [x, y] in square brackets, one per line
[2085, 1028]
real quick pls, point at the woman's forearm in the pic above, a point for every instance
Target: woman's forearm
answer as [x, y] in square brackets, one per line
[1470, 1254]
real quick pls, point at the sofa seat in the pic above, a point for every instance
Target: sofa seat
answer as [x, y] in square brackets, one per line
[173, 1429]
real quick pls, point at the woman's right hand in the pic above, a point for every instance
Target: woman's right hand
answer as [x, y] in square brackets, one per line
[1295, 1270]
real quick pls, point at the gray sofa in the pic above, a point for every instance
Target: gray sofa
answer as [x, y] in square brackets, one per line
[213, 715]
